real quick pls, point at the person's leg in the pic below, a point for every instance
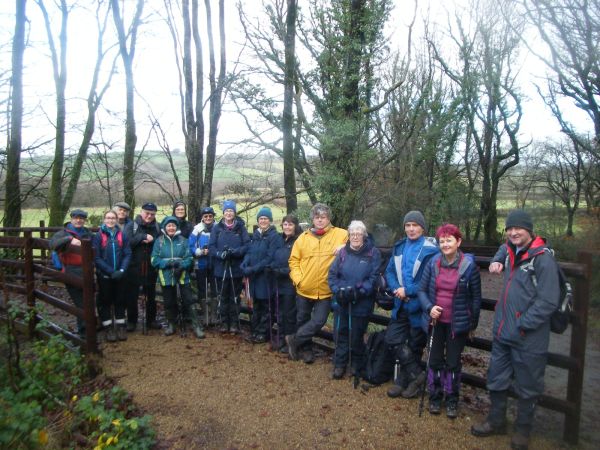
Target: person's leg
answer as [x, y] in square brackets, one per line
[417, 341]
[437, 367]
[396, 337]
[529, 371]
[234, 309]
[259, 321]
[359, 348]
[132, 284]
[191, 309]
[150, 291]
[499, 377]
[171, 309]
[340, 359]
[454, 348]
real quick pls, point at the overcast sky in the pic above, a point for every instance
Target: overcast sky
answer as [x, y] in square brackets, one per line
[156, 75]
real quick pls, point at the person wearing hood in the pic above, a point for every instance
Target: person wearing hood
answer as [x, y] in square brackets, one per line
[521, 329]
[111, 257]
[180, 211]
[141, 234]
[227, 246]
[352, 279]
[404, 333]
[285, 294]
[65, 239]
[198, 243]
[450, 296]
[260, 284]
[171, 256]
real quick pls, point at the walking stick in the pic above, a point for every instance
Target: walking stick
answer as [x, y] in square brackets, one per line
[270, 314]
[236, 300]
[355, 377]
[336, 337]
[206, 297]
[145, 289]
[220, 296]
[430, 343]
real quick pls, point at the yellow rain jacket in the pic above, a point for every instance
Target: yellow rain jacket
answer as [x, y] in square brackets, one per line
[310, 259]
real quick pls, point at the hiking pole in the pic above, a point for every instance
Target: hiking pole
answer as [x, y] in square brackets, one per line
[220, 296]
[206, 283]
[277, 313]
[235, 296]
[145, 289]
[180, 306]
[270, 314]
[337, 325]
[430, 343]
[355, 378]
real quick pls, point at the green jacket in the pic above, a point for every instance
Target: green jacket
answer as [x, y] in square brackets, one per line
[167, 250]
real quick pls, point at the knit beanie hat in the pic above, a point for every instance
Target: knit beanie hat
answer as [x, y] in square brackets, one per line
[264, 212]
[229, 204]
[519, 218]
[169, 219]
[416, 217]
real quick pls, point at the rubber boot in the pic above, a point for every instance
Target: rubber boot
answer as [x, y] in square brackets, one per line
[111, 335]
[495, 423]
[436, 394]
[196, 323]
[523, 423]
[171, 317]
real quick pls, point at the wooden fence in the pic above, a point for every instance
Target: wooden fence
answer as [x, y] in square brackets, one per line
[33, 267]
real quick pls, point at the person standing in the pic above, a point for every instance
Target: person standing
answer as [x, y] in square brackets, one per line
[450, 295]
[141, 233]
[352, 279]
[404, 333]
[111, 257]
[71, 236]
[180, 211]
[198, 242]
[312, 254]
[172, 258]
[521, 329]
[285, 293]
[122, 209]
[257, 259]
[227, 246]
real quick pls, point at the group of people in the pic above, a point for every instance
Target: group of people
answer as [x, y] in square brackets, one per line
[294, 279]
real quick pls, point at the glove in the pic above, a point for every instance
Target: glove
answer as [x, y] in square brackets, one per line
[177, 272]
[224, 255]
[168, 264]
[360, 290]
[117, 275]
[176, 264]
[342, 298]
[248, 270]
[350, 294]
[198, 252]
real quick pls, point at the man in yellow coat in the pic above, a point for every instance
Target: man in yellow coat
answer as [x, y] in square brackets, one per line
[312, 254]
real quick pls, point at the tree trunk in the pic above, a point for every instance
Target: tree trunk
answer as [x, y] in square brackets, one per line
[287, 123]
[12, 203]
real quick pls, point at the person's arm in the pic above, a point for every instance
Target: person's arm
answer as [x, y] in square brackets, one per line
[497, 262]
[423, 293]
[547, 294]
[126, 252]
[294, 261]
[367, 286]
[333, 276]
[60, 241]
[101, 265]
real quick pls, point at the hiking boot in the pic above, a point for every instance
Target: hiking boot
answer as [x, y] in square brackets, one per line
[519, 441]
[111, 336]
[415, 386]
[131, 326]
[487, 428]
[199, 332]
[234, 328]
[258, 339]
[284, 349]
[224, 328]
[452, 410]
[121, 333]
[292, 346]
[196, 323]
[153, 325]
[170, 330]
[434, 407]
[338, 373]
[395, 391]
[308, 357]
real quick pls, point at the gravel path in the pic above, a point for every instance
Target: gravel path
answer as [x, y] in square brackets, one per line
[223, 392]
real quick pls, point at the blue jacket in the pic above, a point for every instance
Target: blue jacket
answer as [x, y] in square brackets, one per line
[360, 270]
[112, 256]
[427, 247]
[198, 240]
[258, 257]
[466, 302]
[236, 239]
[281, 266]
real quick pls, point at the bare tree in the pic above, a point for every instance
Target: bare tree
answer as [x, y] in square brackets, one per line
[127, 45]
[12, 203]
[565, 176]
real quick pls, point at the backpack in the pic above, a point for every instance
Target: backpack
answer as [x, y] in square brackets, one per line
[56, 262]
[104, 239]
[379, 367]
[560, 318]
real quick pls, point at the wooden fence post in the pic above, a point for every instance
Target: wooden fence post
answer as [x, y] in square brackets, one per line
[29, 282]
[89, 314]
[581, 304]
